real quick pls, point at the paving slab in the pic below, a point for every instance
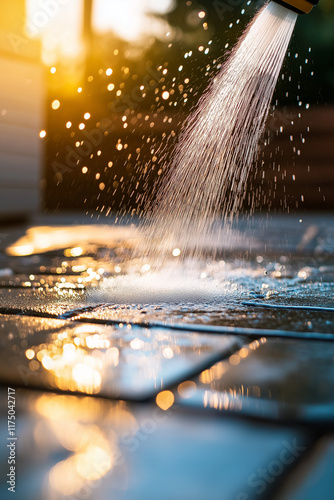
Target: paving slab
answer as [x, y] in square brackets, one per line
[79, 447]
[43, 301]
[127, 362]
[219, 314]
[313, 477]
[290, 380]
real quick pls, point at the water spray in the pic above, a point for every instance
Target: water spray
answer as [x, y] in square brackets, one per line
[206, 180]
[299, 6]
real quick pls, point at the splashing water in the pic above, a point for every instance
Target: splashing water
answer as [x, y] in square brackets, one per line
[217, 148]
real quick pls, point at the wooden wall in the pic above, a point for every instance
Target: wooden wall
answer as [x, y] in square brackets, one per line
[22, 100]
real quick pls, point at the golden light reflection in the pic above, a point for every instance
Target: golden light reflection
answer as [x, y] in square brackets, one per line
[87, 428]
[76, 359]
[40, 239]
[234, 359]
[165, 400]
[30, 353]
[73, 252]
[187, 389]
[229, 398]
[217, 371]
[221, 401]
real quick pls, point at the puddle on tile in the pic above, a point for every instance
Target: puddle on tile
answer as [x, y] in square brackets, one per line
[127, 362]
[275, 379]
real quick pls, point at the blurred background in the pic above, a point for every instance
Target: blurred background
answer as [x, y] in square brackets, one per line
[94, 93]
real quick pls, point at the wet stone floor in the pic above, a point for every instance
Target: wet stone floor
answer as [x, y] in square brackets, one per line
[207, 379]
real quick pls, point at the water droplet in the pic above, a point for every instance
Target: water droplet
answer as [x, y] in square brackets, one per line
[55, 104]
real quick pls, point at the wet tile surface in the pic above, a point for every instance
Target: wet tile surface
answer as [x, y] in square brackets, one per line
[76, 300]
[282, 380]
[221, 314]
[313, 475]
[112, 361]
[71, 446]
[46, 302]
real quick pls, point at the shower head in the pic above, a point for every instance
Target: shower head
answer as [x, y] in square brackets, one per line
[299, 6]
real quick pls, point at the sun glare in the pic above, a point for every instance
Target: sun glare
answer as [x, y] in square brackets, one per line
[135, 21]
[47, 21]
[132, 20]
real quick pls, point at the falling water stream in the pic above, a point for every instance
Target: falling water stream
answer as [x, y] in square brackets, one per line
[211, 163]
[206, 182]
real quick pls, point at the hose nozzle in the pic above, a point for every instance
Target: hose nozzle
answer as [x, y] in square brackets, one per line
[299, 6]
